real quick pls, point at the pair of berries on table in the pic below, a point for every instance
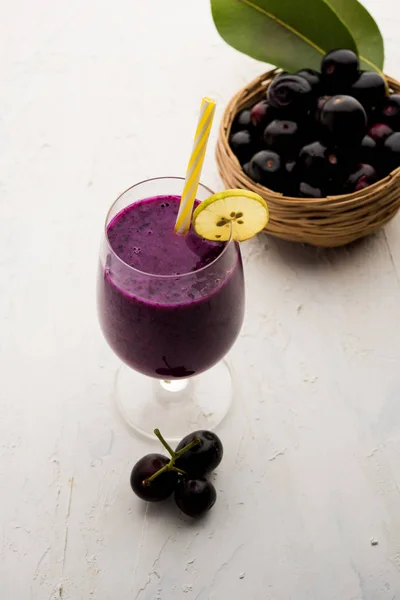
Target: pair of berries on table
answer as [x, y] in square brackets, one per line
[320, 133]
[156, 477]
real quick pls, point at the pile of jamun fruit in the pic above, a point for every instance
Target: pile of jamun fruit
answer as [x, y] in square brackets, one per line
[155, 477]
[318, 134]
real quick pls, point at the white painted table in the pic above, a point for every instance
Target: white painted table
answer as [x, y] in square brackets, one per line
[94, 97]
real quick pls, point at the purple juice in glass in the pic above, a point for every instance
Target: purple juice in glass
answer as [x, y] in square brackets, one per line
[170, 306]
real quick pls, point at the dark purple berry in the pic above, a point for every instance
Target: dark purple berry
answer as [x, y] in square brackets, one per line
[361, 177]
[344, 120]
[161, 487]
[391, 153]
[320, 104]
[290, 167]
[313, 77]
[246, 169]
[262, 114]
[370, 90]
[335, 186]
[195, 496]
[242, 145]
[317, 163]
[290, 92]
[311, 131]
[282, 137]
[308, 191]
[242, 121]
[339, 70]
[379, 132]
[390, 113]
[289, 179]
[266, 168]
[204, 457]
[368, 150]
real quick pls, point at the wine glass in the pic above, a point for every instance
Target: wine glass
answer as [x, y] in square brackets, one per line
[170, 326]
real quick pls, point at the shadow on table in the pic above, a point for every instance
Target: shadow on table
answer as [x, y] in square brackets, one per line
[304, 256]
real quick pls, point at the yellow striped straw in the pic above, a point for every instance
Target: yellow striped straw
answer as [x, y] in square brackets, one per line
[195, 165]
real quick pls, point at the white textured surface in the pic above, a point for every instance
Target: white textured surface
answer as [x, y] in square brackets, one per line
[96, 95]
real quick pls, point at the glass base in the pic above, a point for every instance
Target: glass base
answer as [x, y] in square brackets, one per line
[176, 407]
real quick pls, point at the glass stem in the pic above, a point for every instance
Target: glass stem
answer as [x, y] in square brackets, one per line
[174, 385]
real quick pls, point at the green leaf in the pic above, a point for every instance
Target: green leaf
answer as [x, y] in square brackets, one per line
[365, 32]
[291, 34]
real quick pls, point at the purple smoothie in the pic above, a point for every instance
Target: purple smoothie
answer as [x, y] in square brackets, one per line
[169, 305]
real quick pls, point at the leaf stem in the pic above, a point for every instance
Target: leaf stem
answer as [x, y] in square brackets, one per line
[284, 25]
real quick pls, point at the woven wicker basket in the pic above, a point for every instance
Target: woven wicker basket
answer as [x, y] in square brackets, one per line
[332, 221]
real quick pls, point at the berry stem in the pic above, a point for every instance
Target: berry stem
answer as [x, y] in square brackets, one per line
[178, 470]
[174, 456]
[193, 443]
[168, 448]
[155, 475]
